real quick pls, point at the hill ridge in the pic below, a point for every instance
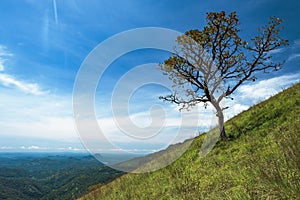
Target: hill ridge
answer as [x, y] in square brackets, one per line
[261, 161]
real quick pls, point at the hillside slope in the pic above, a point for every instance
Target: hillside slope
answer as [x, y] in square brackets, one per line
[261, 161]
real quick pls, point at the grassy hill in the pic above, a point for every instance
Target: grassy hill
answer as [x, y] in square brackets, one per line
[261, 161]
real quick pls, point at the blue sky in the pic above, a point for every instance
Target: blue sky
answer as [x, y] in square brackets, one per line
[43, 43]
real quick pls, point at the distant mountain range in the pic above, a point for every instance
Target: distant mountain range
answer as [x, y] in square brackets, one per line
[50, 175]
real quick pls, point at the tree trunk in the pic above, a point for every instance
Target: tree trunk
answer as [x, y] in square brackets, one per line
[220, 116]
[221, 125]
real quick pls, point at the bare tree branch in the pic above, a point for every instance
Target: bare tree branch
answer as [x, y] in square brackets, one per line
[213, 61]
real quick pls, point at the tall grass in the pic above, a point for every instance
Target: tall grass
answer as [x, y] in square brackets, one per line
[261, 161]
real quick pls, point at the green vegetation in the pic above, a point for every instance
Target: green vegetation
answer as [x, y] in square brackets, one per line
[260, 161]
[30, 176]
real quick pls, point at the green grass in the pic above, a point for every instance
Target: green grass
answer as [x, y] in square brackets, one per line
[261, 161]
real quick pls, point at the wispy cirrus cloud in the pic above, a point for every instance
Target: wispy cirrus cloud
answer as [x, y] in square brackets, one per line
[276, 51]
[10, 81]
[294, 50]
[4, 54]
[297, 42]
[293, 56]
[29, 88]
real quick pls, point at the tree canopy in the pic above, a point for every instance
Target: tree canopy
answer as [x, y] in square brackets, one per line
[215, 61]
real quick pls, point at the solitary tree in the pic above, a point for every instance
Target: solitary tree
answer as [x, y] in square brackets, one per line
[215, 61]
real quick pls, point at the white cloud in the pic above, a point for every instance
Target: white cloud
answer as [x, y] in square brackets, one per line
[155, 129]
[34, 147]
[10, 81]
[297, 42]
[41, 148]
[293, 56]
[250, 94]
[234, 107]
[276, 51]
[45, 116]
[3, 56]
[1, 65]
[237, 108]
[262, 90]
[29, 88]
[56, 128]
[6, 148]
